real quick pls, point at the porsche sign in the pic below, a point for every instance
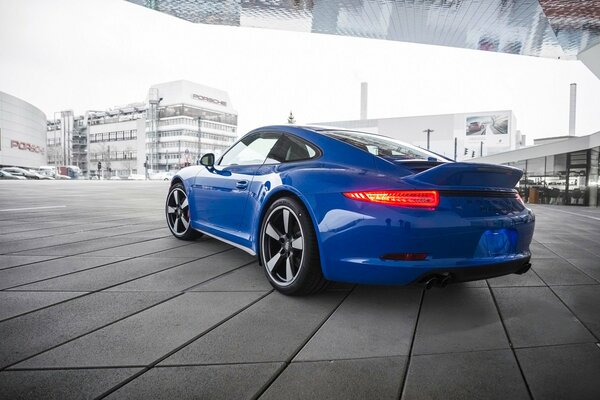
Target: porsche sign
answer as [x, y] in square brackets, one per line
[15, 144]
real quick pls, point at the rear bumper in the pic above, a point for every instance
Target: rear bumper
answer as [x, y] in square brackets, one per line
[518, 266]
[380, 272]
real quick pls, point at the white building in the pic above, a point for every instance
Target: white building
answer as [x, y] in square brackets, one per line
[470, 135]
[116, 137]
[22, 133]
[178, 122]
[185, 120]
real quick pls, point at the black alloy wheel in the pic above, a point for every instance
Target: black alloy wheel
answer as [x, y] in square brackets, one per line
[288, 249]
[177, 210]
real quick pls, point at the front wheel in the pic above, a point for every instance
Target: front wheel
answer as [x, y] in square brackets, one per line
[177, 210]
[289, 250]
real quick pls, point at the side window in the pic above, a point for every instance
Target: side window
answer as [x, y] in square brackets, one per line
[290, 148]
[251, 150]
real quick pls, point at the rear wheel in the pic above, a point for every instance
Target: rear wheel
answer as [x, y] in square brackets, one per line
[177, 210]
[289, 250]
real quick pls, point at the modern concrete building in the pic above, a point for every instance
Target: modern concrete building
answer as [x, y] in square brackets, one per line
[177, 122]
[67, 140]
[22, 133]
[456, 136]
[116, 137]
[561, 170]
[185, 120]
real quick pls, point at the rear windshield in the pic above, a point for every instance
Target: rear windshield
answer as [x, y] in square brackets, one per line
[383, 146]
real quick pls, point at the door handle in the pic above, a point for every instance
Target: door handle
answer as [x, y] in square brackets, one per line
[241, 184]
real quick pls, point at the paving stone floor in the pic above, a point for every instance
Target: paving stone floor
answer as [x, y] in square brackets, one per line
[98, 300]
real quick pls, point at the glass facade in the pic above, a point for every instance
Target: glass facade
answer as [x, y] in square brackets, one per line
[564, 179]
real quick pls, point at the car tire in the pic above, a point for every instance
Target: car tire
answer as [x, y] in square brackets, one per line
[289, 251]
[177, 212]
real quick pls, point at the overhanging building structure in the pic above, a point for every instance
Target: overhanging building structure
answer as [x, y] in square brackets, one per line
[562, 171]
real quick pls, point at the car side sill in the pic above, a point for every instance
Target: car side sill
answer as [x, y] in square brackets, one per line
[239, 246]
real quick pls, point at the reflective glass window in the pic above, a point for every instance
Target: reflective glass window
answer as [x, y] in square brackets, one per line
[251, 150]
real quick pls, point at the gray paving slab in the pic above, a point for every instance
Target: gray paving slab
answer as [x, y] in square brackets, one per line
[539, 251]
[87, 247]
[16, 260]
[32, 333]
[562, 372]
[147, 336]
[199, 248]
[530, 278]
[68, 239]
[190, 274]
[61, 384]
[584, 302]
[142, 248]
[476, 284]
[458, 320]
[567, 250]
[50, 269]
[271, 330]
[16, 303]
[105, 276]
[492, 374]
[373, 378]
[560, 272]
[534, 316]
[371, 322]
[589, 265]
[213, 382]
[249, 278]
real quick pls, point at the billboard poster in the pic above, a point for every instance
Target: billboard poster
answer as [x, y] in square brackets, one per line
[494, 124]
[486, 133]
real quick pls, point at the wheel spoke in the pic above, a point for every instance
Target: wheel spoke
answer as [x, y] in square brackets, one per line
[286, 220]
[288, 270]
[273, 261]
[185, 223]
[184, 204]
[170, 209]
[176, 227]
[298, 243]
[272, 232]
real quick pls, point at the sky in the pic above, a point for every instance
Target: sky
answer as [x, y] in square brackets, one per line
[96, 54]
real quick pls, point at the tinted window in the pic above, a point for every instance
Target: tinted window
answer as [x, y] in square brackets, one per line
[251, 150]
[382, 146]
[290, 148]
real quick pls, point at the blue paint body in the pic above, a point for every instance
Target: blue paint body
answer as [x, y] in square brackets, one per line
[464, 231]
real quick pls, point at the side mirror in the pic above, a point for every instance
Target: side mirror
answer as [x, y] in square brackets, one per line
[208, 160]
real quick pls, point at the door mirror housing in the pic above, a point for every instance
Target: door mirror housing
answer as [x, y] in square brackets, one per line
[208, 160]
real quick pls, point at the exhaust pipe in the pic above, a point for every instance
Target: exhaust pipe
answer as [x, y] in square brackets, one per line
[429, 283]
[440, 281]
[523, 269]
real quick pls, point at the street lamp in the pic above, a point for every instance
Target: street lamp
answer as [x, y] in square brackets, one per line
[428, 131]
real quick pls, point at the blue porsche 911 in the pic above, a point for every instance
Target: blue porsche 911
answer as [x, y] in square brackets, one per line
[321, 204]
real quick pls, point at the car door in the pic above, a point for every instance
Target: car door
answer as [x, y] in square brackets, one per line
[220, 193]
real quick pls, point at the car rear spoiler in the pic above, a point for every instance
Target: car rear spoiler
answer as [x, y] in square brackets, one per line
[470, 174]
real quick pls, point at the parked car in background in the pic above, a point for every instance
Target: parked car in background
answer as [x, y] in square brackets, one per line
[8, 176]
[162, 176]
[62, 177]
[41, 176]
[47, 170]
[16, 171]
[136, 177]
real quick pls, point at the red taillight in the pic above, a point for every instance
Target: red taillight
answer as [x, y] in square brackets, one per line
[404, 198]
